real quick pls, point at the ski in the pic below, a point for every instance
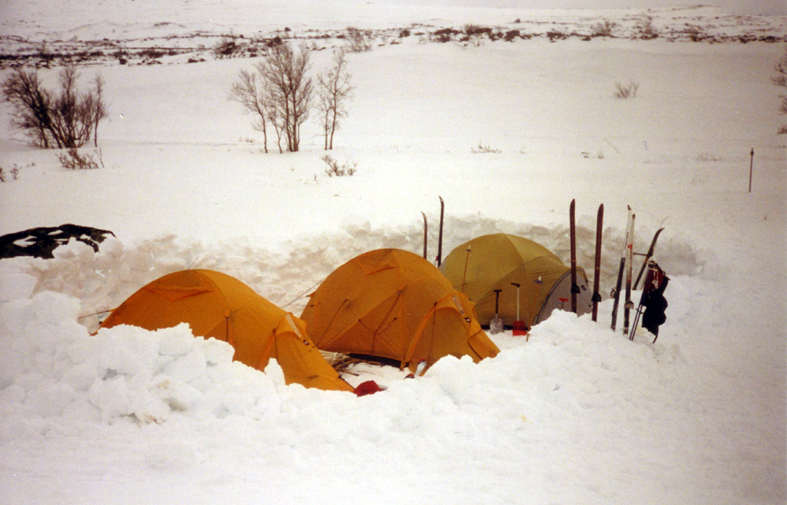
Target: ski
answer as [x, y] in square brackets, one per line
[573, 240]
[597, 270]
[648, 256]
[440, 235]
[628, 305]
[616, 291]
[426, 228]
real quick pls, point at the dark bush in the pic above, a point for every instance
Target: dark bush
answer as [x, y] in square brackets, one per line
[510, 35]
[445, 34]
[65, 118]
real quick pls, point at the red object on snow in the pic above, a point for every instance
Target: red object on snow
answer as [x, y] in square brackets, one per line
[367, 388]
[519, 328]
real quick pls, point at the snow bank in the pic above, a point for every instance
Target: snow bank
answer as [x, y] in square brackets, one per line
[178, 403]
[55, 368]
[178, 409]
[288, 272]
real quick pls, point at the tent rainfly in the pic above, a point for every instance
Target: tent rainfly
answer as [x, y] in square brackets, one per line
[394, 304]
[499, 261]
[219, 306]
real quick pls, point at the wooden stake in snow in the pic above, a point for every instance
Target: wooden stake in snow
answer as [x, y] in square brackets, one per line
[751, 168]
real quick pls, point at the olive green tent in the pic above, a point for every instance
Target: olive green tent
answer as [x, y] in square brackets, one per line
[496, 262]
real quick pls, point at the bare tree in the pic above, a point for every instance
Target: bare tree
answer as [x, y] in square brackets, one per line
[333, 90]
[100, 110]
[30, 103]
[250, 95]
[72, 116]
[63, 119]
[284, 78]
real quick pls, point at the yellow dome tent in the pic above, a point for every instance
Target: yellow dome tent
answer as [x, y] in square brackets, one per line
[220, 306]
[497, 262]
[393, 304]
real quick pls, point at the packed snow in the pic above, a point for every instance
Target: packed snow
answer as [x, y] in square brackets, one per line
[507, 133]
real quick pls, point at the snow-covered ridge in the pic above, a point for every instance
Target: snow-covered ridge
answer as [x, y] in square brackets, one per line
[148, 39]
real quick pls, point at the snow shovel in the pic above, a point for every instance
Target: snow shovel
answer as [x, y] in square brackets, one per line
[496, 324]
[519, 327]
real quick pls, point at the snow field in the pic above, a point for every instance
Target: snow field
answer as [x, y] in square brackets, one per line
[577, 414]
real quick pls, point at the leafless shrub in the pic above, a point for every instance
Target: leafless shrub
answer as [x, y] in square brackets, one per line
[475, 33]
[333, 90]
[695, 33]
[646, 29]
[72, 159]
[14, 172]
[485, 149]
[626, 90]
[603, 28]
[227, 47]
[444, 35]
[554, 35]
[338, 169]
[359, 41]
[511, 35]
[64, 118]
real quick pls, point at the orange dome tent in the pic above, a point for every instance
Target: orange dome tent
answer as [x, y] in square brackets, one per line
[497, 262]
[220, 306]
[394, 304]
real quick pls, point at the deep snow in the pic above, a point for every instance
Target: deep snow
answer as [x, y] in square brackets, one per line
[576, 414]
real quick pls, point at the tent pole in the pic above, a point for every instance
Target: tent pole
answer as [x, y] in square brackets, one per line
[464, 275]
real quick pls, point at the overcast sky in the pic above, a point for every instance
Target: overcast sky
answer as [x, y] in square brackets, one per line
[767, 7]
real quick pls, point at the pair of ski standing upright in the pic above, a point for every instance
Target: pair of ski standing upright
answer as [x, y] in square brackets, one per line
[625, 270]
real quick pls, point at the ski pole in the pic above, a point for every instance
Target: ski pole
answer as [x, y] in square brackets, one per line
[440, 234]
[573, 242]
[426, 228]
